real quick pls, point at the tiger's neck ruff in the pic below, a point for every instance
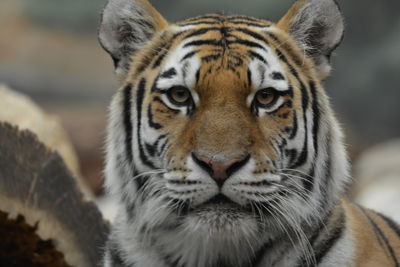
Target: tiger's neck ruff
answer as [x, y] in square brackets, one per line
[222, 147]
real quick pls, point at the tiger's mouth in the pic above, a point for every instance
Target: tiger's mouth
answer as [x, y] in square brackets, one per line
[220, 214]
[219, 199]
[221, 204]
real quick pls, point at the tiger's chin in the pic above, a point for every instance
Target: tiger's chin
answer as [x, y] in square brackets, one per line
[221, 215]
[213, 232]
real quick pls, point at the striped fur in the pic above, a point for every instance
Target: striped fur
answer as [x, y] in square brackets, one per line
[283, 205]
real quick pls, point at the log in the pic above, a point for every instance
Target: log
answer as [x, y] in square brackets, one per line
[39, 195]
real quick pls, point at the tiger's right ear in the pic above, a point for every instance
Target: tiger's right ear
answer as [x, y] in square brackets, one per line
[126, 26]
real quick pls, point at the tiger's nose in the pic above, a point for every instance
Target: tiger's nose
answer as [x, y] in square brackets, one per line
[220, 171]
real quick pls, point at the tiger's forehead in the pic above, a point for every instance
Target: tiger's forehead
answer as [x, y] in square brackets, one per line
[226, 20]
[210, 45]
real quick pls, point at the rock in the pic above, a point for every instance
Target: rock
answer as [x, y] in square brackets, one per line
[377, 179]
[41, 203]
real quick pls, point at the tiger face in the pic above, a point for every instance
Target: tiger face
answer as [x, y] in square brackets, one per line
[226, 108]
[222, 128]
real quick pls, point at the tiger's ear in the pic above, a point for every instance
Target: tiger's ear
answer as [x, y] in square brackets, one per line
[317, 26]
[125, 27]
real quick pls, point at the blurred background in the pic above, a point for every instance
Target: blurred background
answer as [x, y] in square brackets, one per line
[49, 51]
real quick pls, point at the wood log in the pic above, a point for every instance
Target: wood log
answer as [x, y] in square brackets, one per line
[38, 190]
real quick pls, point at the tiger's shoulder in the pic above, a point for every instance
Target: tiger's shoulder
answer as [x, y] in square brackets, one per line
[375, 237]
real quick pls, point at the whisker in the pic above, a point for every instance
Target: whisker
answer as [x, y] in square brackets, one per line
[297, 171]
[305, 245]
[152, 172]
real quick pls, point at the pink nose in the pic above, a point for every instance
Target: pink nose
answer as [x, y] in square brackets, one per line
[219, 167]
[220, 170]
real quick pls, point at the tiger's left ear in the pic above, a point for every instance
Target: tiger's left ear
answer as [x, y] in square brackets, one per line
[126, 26]
[317, 26]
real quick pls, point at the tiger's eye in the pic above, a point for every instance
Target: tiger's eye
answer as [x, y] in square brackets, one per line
[179, 95]
[265, 97]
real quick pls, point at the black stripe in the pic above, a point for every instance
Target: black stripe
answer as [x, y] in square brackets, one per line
[305, 98]
[116, 259]
[249, 77]
[316, 120]
[382, 238]
[205, 22]
[323, 250]
[295, 127]
[127, 121]
[212, 42]
[152, 124]
[169, 73]
[163, 147]
[291, 154]
[214, 20]
[157, 99]
[304, 153]
[322, 225]
[197, 76]
[274, 37]
[308, 183]
[275, 145]
[258, 56]
[201, 32]
[252, 34]
[219, 43]
[292, 70]
[392, 224]
[176, 35]
[223, 18]
[139, 105]
[160, 58]
[235, 17]
[151, 149]
[114, 252]
[290, 92]
[157, 142]
[252, 24]
[288, 49]
[159, 51]
[246, 43]
[189, 55]
[146, 60]
[141, 181]
[317, 115]
[282, 57]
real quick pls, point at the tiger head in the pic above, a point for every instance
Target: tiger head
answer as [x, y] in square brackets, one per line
[221, 124]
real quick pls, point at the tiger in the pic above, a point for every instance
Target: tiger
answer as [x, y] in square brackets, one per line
[222, 148]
